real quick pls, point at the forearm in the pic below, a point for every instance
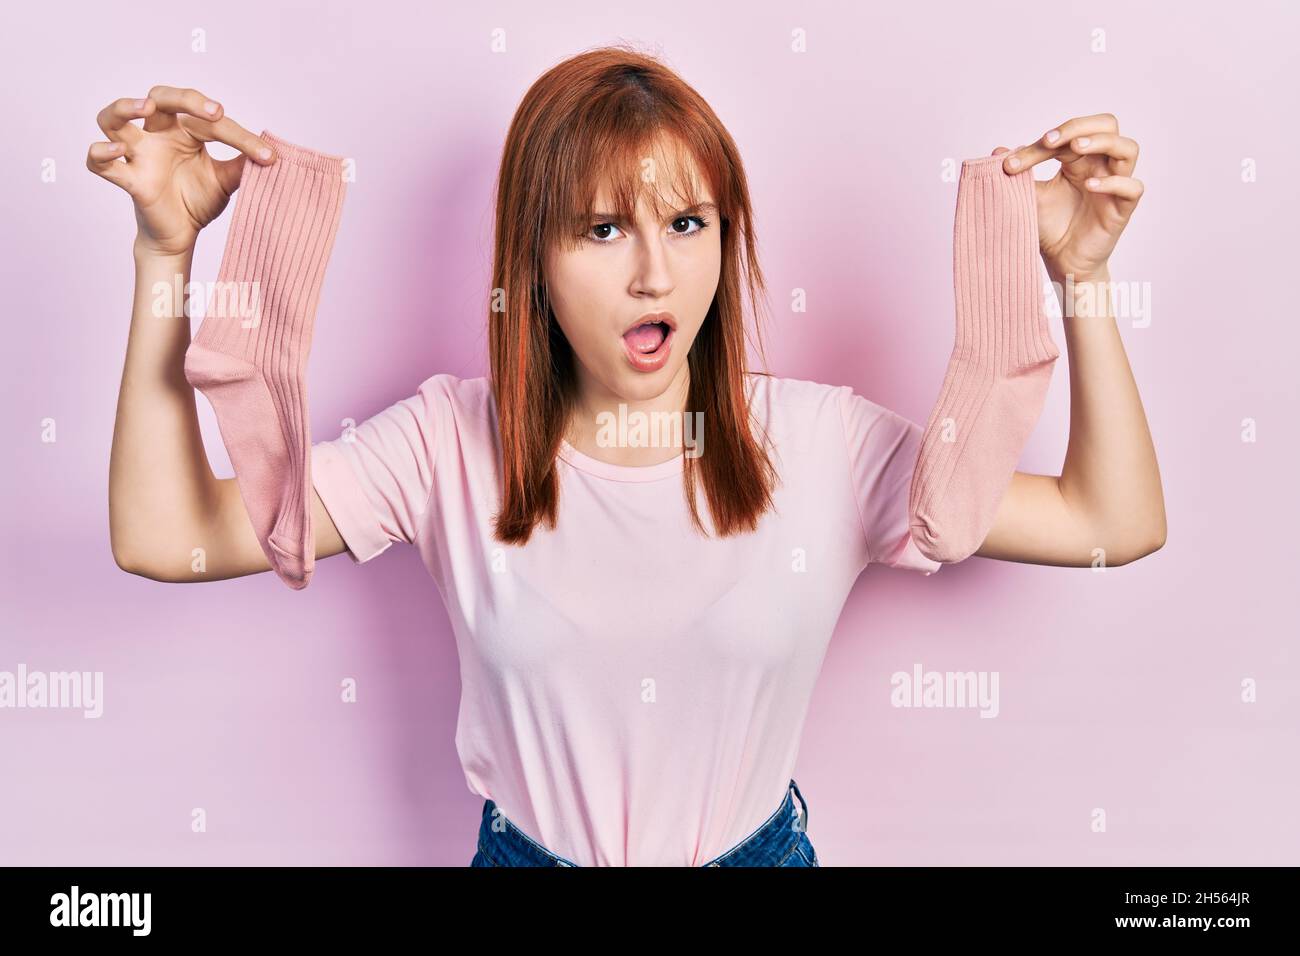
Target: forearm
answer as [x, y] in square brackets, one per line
[1110, 480]
[159, 476]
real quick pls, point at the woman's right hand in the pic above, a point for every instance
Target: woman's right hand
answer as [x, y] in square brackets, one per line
[176, 186]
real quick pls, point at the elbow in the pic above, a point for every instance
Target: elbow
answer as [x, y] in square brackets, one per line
[1155, 539]
[122, 556]
[130, 561]
[1158, 539]
[1138, 548]
[126, 561]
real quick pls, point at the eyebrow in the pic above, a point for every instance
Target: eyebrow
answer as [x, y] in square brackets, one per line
[688, 211]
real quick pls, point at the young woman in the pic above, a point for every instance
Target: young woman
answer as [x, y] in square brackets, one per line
[639, 625]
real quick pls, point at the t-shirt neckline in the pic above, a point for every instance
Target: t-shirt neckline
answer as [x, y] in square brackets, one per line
[604, 469]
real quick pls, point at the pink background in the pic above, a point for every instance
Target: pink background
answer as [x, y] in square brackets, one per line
[1119, 690]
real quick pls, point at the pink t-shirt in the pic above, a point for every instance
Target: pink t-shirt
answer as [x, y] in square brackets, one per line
[632, 693]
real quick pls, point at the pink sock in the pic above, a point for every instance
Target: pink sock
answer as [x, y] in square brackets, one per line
[1001, 364]
[249, 356]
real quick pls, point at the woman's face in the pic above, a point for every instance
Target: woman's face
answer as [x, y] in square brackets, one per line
[620, 273]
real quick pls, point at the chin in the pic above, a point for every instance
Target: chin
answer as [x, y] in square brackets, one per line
[634, 386]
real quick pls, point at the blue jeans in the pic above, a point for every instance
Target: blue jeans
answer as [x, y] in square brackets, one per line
[782, 840]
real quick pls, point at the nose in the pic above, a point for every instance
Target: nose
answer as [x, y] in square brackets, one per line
[652, 278]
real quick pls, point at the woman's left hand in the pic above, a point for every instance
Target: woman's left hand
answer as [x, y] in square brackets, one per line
[1083, 208]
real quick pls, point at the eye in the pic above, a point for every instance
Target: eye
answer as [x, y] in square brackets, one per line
[704, 224]
[599, 238]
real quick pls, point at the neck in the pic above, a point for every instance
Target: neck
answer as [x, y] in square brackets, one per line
[594, 426]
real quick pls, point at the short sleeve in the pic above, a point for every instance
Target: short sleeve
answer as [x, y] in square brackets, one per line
[882, 451]
[376, 479]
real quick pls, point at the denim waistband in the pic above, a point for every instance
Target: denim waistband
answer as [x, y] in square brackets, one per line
[770, 844]
[773, 840]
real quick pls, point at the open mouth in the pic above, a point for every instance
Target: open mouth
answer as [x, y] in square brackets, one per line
[648, 344]
[646, 339]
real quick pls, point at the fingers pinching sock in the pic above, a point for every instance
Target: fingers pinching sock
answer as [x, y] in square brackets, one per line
[249, 356]
[1001, 364]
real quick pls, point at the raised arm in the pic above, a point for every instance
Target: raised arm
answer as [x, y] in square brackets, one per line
[170, 518]
[1107, 505]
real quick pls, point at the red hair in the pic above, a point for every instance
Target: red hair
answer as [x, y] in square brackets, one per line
[600, 117]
